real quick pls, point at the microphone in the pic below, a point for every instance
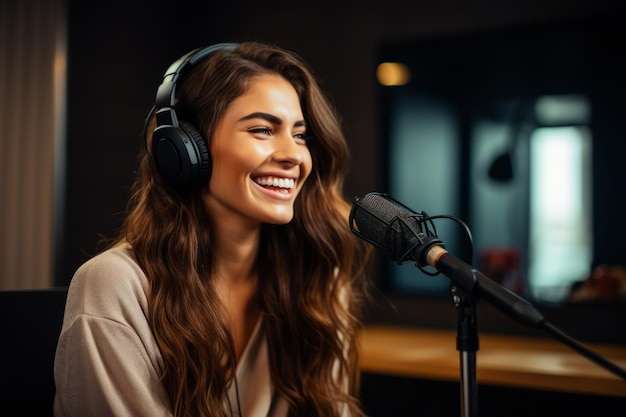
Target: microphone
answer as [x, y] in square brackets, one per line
[405, 236]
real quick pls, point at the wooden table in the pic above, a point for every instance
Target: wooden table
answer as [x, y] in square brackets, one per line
[534, 363]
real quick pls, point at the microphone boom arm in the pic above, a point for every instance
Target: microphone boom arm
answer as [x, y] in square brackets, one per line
[474, 282]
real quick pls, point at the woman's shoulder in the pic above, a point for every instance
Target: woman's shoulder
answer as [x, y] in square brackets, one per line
[116, 265]
[110, 281]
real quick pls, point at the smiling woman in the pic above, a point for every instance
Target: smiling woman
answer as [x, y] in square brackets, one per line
[233, 287]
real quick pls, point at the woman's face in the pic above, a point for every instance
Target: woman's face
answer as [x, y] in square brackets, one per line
[259, 154]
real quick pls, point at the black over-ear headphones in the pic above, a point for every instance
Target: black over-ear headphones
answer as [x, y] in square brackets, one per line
[180, 152]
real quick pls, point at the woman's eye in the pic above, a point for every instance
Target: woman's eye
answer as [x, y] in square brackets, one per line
[261, 130]
[301, 137]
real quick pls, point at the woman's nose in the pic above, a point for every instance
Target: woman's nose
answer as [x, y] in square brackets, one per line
[288, 151]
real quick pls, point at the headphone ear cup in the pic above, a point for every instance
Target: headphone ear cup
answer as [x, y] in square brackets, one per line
[203, 155]
[181, 156]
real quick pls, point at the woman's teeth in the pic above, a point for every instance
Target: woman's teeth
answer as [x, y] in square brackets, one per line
[275, 182]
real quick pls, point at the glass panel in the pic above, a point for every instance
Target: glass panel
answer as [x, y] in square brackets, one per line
[560, 210]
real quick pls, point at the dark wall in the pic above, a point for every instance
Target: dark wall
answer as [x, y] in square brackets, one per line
[118, 52]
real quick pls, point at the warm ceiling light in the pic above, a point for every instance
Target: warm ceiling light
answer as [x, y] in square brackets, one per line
[393, 73]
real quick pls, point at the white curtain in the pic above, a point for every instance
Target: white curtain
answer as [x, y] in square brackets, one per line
[32, 136]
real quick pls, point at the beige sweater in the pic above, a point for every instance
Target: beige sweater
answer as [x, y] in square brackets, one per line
[108, 363]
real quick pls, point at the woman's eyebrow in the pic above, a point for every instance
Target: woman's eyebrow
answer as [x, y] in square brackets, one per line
[260, 115]
[270, 118]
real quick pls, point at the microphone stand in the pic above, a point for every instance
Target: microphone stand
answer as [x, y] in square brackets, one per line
[470, 283]
[467, 345]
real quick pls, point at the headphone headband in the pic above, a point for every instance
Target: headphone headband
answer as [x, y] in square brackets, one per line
[166, 93]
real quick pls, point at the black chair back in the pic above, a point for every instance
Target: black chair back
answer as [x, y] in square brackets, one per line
[31, 324]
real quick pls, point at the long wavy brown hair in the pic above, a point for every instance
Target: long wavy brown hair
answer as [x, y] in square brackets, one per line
[312, 285]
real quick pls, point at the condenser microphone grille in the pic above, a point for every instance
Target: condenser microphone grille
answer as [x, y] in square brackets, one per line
[373, 218]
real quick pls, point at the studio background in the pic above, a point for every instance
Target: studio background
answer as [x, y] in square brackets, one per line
[78, 79]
